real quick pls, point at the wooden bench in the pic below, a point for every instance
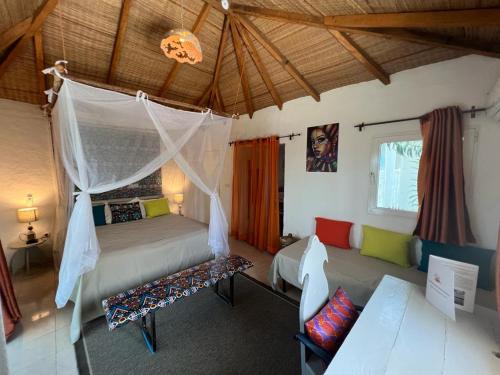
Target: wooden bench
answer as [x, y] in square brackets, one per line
[144, 300]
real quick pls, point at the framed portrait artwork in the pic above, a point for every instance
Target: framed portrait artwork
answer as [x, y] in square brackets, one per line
[322, 148]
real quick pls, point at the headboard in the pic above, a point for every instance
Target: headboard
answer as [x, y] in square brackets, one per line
[148, 188]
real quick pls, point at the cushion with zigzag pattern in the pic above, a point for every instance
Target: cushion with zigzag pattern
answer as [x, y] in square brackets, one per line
[329, 327]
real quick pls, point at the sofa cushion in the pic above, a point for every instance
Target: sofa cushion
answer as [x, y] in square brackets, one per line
[467, 254]
[333, 232]
[329, 327]
[384, 244]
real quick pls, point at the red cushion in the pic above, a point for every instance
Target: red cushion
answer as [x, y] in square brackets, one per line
[330, 326]
[333, 232]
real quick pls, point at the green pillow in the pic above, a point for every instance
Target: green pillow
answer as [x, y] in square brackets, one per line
[156, 207]
[386, 245]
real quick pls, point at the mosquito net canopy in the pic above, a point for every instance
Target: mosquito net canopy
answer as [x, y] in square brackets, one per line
[139, 136]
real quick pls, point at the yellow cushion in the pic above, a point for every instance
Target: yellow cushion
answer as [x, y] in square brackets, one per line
[156, 207]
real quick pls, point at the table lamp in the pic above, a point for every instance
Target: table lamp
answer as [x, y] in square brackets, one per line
[28, 215]
[179, 199]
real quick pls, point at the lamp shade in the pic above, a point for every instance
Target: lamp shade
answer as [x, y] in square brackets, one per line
[183, 46]
[27, 215]
[179, 198]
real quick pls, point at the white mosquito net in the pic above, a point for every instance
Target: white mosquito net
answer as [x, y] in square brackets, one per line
[107, 140]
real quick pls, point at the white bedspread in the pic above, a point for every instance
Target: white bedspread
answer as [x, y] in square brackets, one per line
[135, 253]
[359, 275]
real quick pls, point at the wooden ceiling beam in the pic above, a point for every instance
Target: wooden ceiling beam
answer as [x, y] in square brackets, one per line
[195, 30]
[389, 33]
[441, 18]
[119, 39]
[260, 65]
[278, 56]
[40, 65]
[205, 96]
[240, 58]
[13, 33]
[220, 57]
[360, 55]
[41, 14]
[218, 96]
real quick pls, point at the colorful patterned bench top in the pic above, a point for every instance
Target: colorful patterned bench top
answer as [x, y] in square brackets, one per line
[136, 303]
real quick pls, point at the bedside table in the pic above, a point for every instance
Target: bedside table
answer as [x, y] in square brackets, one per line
[20, 245]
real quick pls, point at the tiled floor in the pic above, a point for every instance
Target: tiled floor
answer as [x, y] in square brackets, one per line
[41, 344]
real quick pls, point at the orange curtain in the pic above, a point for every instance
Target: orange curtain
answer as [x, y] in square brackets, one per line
[255, 207]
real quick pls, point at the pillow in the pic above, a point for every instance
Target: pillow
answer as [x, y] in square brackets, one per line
[108, 214]
[330, 326]
[141, 204]
[156, 207]
[333, 232]
[468, 254]
[99, 216]
[386, 245]
[123, 212]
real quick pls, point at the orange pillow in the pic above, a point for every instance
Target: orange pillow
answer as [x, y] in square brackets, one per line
[333, 232]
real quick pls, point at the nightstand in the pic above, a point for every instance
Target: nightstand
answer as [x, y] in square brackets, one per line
[19, 245]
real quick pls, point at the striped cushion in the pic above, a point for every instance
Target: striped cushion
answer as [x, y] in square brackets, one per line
[330, 326]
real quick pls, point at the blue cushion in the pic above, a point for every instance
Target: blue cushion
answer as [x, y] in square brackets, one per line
[99, 215]
[466, 254]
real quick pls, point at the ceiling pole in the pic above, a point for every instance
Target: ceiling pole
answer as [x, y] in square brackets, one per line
[40, 15]
[175, 68]
[120, 37]
[240, 58]
[260, 65]
[274, 51]
[13, 33]
[205, 96]
[440, 18]
[40, 65]
[220, 56]
[218, 97]
[396, 34]
[360, 55]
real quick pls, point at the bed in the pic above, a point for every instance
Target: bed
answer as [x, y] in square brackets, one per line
[359, 275]
[134, 253]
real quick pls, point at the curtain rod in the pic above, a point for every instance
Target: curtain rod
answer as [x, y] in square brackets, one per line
[289, 136]
[360, 127]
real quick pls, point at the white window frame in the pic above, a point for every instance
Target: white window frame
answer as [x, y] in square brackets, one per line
[373, 175]
[469, 169]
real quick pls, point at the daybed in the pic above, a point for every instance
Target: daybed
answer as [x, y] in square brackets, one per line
[359, 275]
[134, 253]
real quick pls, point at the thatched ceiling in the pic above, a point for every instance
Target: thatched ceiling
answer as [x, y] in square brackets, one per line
[88, 30]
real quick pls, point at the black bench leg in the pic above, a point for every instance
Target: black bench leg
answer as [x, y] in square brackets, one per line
[228, 299]
[149, 335]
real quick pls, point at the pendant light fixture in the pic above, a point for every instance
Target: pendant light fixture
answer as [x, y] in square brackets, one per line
[181, 44]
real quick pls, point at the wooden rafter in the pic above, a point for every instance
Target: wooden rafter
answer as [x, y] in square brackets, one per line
[240, 58]
[220, 56]
[40, 65]
[360, 55]
[396, 34]
[205, 96]
[441, 18]
[195, 30]
[278, 56]
[40, 15]
[260, 65]
[13, 33]
[120, 37]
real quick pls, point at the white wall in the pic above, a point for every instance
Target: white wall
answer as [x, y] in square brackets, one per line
[26, 167]
[344, 195]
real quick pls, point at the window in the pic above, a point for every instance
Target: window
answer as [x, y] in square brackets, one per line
[394, 172]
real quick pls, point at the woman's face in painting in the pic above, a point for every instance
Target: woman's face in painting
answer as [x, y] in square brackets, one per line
[319, 142]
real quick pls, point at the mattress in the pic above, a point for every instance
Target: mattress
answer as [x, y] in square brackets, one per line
[359, 275]
[135, 253]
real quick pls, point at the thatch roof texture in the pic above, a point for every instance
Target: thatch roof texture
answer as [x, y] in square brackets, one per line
[88, 34]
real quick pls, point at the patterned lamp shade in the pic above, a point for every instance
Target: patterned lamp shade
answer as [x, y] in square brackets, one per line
[183, 46]
[27, 215]
[179, 198]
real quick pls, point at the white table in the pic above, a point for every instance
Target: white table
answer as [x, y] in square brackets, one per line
[20, 245]
[399, 332]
